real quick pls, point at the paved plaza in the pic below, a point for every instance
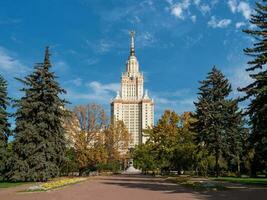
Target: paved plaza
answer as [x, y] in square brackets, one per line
[130, 188]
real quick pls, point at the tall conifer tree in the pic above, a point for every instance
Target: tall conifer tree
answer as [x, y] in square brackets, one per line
[211, 112]
[257, 90]
[235, 132]
[4, 125]
[39, 144]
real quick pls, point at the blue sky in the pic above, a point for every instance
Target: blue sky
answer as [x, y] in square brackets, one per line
[177, 43]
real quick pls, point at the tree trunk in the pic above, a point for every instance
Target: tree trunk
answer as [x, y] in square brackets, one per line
[253, 170]
[217, 164]
[238, 167]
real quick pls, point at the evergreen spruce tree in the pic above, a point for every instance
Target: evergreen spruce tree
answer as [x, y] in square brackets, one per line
[257, 91]
[39, 143]
[211, 114]
[4, 125]
[235, 132]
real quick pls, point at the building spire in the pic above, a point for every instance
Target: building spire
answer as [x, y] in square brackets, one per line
[132, 51]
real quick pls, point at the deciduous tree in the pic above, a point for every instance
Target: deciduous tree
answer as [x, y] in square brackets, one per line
[85, 129]
[144, 158]
[117, 141]
[163, 138]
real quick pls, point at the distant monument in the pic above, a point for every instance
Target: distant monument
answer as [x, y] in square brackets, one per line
[131, 170]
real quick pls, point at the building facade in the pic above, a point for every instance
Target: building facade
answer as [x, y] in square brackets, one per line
[132, 105]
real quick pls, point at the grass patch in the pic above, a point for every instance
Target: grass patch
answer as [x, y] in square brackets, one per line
[204, 185]
[248, 181]
[11, 184]
[178, 179]
[194, 184]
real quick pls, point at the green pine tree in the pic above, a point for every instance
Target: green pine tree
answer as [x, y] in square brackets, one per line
[39, 144]
[235, 130]
[211, 112]
[257, 91]
[4, 125]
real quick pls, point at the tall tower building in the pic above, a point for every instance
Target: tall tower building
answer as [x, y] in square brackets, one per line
[132, 105]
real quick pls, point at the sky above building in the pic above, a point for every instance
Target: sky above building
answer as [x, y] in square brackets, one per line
[177, 44]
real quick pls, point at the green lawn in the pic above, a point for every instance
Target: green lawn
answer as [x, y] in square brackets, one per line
[9, 184]
[252, 181]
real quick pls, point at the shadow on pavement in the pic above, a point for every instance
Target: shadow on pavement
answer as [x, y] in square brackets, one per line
[159, 184]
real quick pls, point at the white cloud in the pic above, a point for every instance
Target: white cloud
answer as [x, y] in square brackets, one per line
[204, 9]
[101, 47]
[241, 7]
[197, 2]
[232, 5]
[73, 96]
[10, 63]
[245, 9]
[97, 92]
[91, 61]
[77, 82]
[145, 39]
[179, 101]
[169, 2]
[182, 10]
[194, 18]
[162, 100]
[103, 88]
[240, 24]
[104, 46]
[214, 2]
[179, 93]
[185, 4]
[214, 23]
[10, 67]
[60, 66]
[192, 41]
[179, 105]
[252, 26]
[239, 78]
[178, 9]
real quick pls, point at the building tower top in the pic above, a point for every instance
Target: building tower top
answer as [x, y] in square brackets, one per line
[131, 105]
[132, 66]
[132, 51]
